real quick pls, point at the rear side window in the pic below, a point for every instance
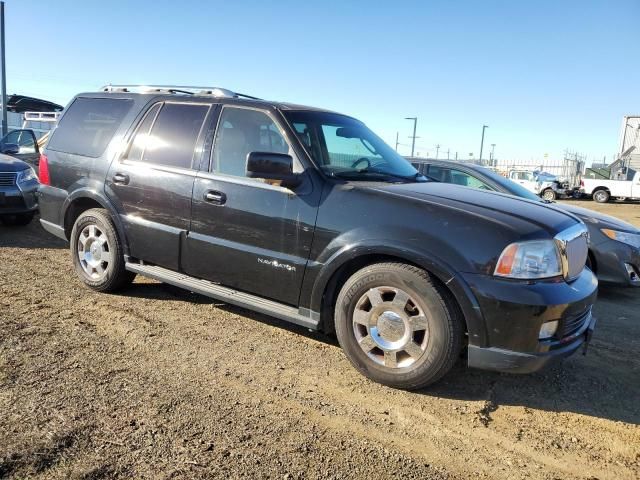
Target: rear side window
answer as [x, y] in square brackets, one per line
[88, 125]
[174, 134]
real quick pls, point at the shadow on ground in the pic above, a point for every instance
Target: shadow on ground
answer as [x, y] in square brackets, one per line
[590, 385]
[29, 236]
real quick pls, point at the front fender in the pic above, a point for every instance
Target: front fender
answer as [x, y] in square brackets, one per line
[323, 273]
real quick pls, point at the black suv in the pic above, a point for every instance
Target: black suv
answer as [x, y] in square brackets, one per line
[306, 215]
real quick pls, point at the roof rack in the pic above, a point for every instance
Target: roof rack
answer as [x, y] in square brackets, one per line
[176, 89]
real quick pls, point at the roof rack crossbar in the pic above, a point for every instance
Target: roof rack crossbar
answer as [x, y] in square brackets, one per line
[176, 89]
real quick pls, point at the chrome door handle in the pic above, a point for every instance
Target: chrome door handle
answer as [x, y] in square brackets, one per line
[121, 178]
[217, 198]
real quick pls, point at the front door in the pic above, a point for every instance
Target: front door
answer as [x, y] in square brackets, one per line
[26, 143]
[151, 184]
[247, 233]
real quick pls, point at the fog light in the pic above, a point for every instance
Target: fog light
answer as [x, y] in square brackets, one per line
[633, 274]
[548, 329]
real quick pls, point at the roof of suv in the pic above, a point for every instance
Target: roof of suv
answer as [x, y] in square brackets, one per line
[220, 94]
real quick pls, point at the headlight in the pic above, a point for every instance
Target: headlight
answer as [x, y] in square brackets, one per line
[530, 260]
[632, 239]
[27, 175]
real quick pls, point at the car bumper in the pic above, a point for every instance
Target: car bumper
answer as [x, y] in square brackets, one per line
[15, 200]
[617, 263]
[513, 313]
[520, 362]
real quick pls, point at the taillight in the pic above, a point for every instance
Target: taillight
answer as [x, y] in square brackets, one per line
[43, 170]
[582, 183]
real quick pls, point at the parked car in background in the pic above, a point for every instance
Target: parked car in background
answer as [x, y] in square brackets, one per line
[603, 190]
[614, 245]
[307, 215]
[547, 187]
[18, 187]
[23, 145]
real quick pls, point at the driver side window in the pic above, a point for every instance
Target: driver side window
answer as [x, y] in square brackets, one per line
[466, 180]
[347, 152]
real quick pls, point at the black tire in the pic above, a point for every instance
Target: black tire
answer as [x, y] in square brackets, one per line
[18, 220]
[549, 195]
[443, 338]
[601, 196]
[115, 275]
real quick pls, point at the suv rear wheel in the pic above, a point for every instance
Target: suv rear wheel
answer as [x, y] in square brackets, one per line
[97, 252]
[397, 326]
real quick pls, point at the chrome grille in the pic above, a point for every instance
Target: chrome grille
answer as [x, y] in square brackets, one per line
[571, 325]
[574, 248]
[7, 179]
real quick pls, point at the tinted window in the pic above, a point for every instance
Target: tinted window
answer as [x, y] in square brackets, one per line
[240, 132]
[466, 180]
[139, 143]
[439, 173]
[174, 135]
[88, 125]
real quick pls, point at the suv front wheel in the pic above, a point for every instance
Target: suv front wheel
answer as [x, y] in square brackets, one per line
[97, 252]
[397, 326]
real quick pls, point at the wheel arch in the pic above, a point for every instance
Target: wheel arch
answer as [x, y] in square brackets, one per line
[333, 276]
[82, 200]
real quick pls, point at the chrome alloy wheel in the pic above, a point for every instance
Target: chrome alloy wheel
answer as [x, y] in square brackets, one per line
[94, 252]
[390, 327]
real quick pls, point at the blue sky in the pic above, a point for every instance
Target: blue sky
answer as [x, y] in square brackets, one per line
[544, 75]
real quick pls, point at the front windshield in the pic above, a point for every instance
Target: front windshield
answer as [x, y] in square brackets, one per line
[344, 147]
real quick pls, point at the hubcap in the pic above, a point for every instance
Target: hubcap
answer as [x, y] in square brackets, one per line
[390, 327]
[94, 252]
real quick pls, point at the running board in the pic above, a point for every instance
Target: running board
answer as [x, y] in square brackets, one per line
[227, 295]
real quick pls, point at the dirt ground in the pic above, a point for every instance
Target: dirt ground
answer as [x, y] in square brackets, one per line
[161, 383]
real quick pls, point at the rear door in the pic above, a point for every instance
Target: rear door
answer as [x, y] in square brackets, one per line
[27, 143]
[151, 184]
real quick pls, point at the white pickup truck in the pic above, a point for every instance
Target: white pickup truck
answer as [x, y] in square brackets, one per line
[603, 190]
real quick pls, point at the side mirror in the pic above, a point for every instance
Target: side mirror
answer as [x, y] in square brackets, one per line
[272, 166]
[10, 149]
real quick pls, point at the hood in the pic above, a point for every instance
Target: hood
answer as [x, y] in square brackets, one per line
[11, 164]
[506, 209]
[597, 219]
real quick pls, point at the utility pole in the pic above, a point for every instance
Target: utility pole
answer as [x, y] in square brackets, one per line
[456, 156]
[493, 157]
[484, 127]
[3, 67]
[397, 133]
[437, 150]
[448, 151]
[413, 138]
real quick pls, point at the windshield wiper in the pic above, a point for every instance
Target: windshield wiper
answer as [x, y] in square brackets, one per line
[355, 174]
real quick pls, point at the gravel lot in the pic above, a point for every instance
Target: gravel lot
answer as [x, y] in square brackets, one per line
[162, 383]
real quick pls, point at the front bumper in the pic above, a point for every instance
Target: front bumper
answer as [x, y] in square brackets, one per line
[15, 200]
[514, 311]
[614, 261]
[518, 362]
